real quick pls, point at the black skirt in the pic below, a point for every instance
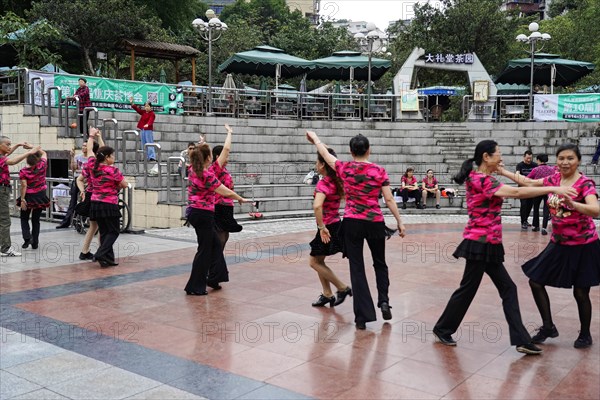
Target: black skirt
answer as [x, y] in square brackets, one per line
[566, 266]
[478, 251]
[100, 209]
[224, 220]
[35, 201]
[318, 248]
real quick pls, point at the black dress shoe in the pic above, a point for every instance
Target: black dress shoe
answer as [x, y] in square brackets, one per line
[323, 300]
[190, 293]
[34, 245]
[361, 325]
[444, 339]
[385, 311]
[86, 256]
[341, 296]
[26, 244]
[214, 286]
[63, 226]
[106, 263]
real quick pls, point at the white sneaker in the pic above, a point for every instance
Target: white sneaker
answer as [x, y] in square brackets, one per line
[10, 253]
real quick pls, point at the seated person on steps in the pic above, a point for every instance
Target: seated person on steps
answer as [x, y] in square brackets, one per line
[410, 188]
[430, 189]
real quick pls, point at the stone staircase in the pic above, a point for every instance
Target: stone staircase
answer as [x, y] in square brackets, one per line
[270, 158]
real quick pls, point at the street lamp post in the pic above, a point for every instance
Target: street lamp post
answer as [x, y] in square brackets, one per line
[368, 40]
[532, 40]
[210, 31]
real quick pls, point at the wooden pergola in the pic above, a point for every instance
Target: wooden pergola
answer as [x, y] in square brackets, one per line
[162, 51]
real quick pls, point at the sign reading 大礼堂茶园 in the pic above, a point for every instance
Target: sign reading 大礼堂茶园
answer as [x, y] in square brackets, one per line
[566, 107]
[112, 94]
[449, 58]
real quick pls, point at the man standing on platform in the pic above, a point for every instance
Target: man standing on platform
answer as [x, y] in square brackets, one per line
[524, 168]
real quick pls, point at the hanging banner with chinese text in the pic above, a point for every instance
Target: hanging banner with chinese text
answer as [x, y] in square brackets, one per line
[113, 95]
[567, 107]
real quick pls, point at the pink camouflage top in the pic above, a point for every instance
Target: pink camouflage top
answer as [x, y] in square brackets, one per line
[4, 172]
[485, 221]
[225, 178]
[201, 190]
[409, 181]
[430, 184]
[35, 176]
[86, 171]
[331, 205]
[570, 227]
[362, 185]
[105, 183]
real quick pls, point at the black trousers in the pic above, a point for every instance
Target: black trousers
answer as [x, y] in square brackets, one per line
[415, 194]
[526, 206]
[83, 130]
[209, 248]
[109, 229]
[74, 192]
[364, 309]
[536, 211]
[33, 234]
[463, 296]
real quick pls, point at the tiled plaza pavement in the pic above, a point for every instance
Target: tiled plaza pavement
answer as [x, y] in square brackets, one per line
[73, 330]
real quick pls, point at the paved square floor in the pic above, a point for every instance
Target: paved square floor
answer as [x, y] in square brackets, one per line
[71, 330]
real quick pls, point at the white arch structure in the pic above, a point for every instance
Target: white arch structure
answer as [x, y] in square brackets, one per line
[475, 70]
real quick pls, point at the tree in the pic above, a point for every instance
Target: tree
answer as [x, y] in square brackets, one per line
[269, 15]
[558, 7]
[575, 36]
[176, 15]
[18, 7]
[95, 26]
[460, 26]
[35, 44]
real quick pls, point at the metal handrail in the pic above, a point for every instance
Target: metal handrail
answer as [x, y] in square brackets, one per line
[86, 116]
[114, 123]
[66, 111]
[157, 148]
[49, 95]
[123, 138]
[180, 175]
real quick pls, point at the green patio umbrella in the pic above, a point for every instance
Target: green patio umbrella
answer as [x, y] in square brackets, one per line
[548, 69]
[163, 76]
[340, 66]
[266, 61]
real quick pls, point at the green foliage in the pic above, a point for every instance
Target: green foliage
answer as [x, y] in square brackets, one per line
[557, 7]
[175, 15]
[575, 36]
[95, 26]
[35, 44]
[460, 26]
[454, 111]
[18, 7]
[269, 15]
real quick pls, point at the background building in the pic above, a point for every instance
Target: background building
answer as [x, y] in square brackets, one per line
[529, 7]
[309, 8]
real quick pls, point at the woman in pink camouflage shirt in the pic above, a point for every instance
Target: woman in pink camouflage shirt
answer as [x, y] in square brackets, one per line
[572, 258]
[363, 220]
[482, 246]
[33, 200]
